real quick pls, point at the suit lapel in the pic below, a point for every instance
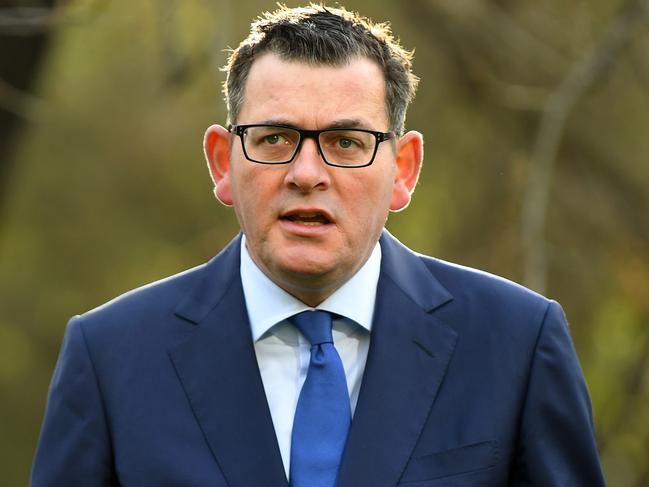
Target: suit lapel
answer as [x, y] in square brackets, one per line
[409, 352]
[218, 370]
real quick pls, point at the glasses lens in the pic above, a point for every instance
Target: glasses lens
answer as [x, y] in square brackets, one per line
[270, 144]
[347, 147]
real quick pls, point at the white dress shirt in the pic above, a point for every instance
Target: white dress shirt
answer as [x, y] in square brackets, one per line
[283, 353]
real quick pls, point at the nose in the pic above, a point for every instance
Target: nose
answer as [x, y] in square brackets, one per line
[308, 171]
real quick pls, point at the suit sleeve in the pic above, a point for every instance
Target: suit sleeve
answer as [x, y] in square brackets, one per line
[74, 447]
[556, 444]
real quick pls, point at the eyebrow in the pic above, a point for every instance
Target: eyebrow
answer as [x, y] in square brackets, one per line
[347, 123]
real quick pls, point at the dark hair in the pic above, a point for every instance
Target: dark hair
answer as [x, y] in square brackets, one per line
[322, 35]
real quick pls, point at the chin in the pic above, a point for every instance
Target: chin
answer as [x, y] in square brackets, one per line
[307, 268]
[303, 268]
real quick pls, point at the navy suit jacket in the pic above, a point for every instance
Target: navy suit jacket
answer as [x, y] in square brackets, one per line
[470, 380]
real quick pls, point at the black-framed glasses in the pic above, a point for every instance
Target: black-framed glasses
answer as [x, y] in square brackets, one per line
[279, 144]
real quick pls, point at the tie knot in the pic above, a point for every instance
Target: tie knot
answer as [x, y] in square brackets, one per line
[314, 325]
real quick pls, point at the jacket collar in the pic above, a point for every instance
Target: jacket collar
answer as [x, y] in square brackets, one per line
[408, 272]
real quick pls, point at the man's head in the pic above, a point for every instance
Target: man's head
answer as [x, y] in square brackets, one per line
[309, 223]
[318, 35]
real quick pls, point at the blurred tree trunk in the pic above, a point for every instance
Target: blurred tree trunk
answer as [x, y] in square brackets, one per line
[558, 108]
[25, 31]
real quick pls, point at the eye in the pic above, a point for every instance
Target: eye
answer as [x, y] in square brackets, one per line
[345, 143]
[273, 139]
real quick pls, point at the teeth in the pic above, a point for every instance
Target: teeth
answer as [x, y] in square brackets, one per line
[311, 224]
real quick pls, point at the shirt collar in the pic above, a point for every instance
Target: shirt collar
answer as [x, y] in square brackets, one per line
[268, 304]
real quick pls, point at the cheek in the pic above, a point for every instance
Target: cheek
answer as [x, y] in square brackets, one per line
[368, 203]
[244, 200]
[253, 197]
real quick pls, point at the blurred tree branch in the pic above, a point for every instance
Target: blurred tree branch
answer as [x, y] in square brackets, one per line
[16, 101]
[557, 109]
[28, 20]
[20, 59]
[22, 20]
[181, 65]
[175, 64]
[26, 28]
[474, 34]
[626, 196]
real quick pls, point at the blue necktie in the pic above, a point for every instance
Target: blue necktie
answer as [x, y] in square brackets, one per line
[323, 414]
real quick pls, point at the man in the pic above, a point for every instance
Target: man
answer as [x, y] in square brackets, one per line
[225, 376]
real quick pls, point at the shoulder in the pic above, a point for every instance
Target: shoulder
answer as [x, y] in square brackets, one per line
[467, 282]
[153, 298]
[491, 303]
[162, 310]
[138, 317]
[193, 288]
[455, 286]
[479, 306]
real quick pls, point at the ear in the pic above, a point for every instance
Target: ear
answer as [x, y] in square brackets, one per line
[410, 154]
[216, 146]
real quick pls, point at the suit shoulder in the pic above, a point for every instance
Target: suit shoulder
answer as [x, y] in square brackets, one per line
[474, 289]
[158, 294]
[489, 307]
[145, 313]
[163, 304]
[458, 279]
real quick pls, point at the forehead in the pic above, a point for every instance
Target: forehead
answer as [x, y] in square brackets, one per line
[314, 96]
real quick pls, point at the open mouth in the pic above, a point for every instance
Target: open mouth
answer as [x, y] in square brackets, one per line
[309, 218]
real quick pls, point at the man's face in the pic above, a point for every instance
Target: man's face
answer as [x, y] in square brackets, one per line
[309, 226]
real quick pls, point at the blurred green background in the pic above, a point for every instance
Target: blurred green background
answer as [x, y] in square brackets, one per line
[535, 115]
